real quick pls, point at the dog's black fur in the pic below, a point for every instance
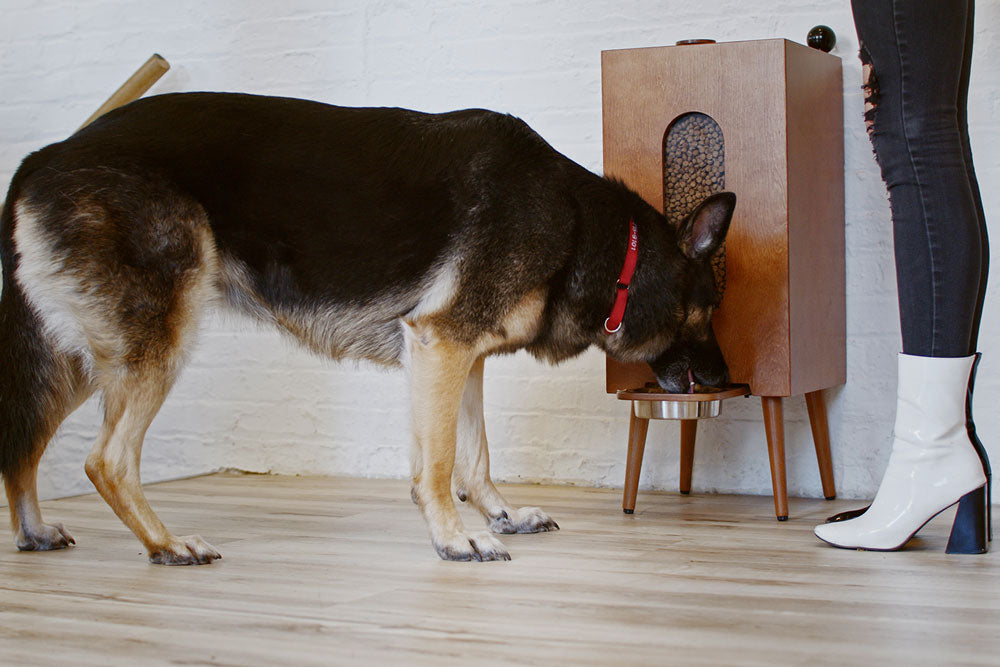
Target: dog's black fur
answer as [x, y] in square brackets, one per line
[312, 208]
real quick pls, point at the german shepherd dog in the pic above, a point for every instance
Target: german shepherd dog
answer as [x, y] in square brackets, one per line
[427, 241]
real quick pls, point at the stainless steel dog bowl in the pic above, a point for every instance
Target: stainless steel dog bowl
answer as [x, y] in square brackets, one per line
[654, 403]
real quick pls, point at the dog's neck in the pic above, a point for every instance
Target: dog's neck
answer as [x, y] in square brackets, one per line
[585, 287]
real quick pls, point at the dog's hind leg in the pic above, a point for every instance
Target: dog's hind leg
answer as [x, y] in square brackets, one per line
[437, 371]
[31, 533]
[39, 386]
[120, 272]
[130, 404]
[134, 384]
[472, 468]
[134, 387]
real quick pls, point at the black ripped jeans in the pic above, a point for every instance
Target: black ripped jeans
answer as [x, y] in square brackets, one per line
[917, 55]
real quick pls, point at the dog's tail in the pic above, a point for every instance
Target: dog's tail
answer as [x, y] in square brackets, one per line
[35, 379]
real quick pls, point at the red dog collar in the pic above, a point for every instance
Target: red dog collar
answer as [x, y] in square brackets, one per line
[614, 323]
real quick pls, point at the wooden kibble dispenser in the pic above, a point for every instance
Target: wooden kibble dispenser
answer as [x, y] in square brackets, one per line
[781, 324]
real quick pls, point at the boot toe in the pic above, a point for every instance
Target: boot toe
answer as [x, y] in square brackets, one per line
[838, 534]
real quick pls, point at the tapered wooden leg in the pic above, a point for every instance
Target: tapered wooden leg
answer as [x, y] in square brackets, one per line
[689, 429]
[821, 438]
[774, 427]
[637, 428]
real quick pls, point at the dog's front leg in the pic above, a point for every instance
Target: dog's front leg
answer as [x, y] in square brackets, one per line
[437, 372]
[472, 468]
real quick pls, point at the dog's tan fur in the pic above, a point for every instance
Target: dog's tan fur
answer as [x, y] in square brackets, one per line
[450, 447]
[471, 479]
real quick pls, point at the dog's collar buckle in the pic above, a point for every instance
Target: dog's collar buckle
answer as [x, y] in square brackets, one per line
[614, 323]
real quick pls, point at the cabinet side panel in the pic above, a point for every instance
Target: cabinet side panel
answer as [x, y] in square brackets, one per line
[817, 292]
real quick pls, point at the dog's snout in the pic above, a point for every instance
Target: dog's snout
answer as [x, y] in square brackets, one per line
[673, 385]
[712, 377]
[678, 367]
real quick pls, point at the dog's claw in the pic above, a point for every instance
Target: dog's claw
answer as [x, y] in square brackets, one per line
[190, 550]
[524, 520]
[479, 547]
[45, 537]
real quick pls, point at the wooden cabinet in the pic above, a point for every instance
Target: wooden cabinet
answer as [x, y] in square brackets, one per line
[782, 322]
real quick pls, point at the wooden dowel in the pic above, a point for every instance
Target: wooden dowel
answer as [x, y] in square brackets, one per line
[134, 87]
[131, 90]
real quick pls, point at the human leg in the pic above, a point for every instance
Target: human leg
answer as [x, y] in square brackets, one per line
[916, 59]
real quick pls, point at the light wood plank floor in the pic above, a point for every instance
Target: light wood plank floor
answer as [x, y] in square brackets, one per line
[340, 571]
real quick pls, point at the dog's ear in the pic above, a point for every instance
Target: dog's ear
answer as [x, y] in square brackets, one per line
[704, 230]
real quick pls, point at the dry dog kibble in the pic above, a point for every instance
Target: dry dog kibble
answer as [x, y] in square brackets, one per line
[694, 167]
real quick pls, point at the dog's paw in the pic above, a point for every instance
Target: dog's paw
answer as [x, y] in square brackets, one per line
[475, 546]
[190, 550]
[524, 520]
[44, 537]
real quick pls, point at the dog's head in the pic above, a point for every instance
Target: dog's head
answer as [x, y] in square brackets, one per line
[693, 354]
[672, 307]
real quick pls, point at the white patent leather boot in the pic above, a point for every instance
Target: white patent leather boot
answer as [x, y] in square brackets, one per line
[933, 465]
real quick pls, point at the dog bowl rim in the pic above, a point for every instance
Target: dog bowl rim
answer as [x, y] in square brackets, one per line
[644, 394]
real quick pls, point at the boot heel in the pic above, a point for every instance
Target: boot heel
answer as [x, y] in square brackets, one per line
[971, 527]
[989, 507]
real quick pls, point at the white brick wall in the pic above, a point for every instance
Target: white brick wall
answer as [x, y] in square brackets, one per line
[251, 401]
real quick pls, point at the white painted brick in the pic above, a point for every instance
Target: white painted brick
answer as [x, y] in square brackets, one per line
[249, 399]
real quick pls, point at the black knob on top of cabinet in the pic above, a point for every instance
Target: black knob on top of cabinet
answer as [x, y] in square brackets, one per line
[822, 37]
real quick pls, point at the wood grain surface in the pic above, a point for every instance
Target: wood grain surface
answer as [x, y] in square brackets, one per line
[320, 571]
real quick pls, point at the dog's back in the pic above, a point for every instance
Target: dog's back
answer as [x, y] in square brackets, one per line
[329, 222]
